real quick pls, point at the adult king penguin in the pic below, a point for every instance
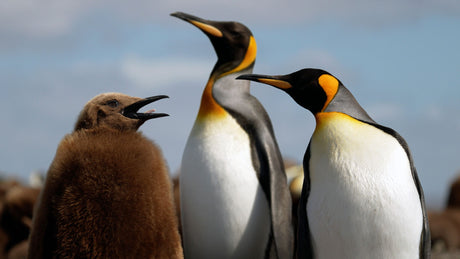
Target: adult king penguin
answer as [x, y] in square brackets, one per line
[235, 202]
[361, 196]
[107, 192]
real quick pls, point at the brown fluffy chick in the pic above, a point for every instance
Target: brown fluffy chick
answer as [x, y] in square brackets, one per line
[108, 192]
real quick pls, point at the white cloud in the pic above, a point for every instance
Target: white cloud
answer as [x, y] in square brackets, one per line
[385, 111]
[441, 114]
[434, 113]
[150, 73]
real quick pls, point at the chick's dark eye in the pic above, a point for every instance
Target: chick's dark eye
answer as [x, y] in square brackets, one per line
[112, 103]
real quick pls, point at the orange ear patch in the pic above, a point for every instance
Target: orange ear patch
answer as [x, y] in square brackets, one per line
[249, 57]
[330, 85]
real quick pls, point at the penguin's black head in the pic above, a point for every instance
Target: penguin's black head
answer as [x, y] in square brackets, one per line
[118, 111]
[311, 88]
[233, 42]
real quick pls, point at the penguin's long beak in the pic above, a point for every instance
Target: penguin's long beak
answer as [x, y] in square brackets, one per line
[276, 81]
[131, 111]
[205, 25]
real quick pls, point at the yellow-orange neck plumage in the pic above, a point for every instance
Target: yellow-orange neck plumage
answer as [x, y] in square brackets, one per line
[209, 106]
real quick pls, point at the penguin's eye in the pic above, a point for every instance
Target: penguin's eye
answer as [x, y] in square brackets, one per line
[112, 103]
[235, 34]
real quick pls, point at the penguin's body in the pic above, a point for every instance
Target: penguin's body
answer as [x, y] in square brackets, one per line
[229, 194]
[107, 192]
[234, 197]
[361, 196]
[352, 188]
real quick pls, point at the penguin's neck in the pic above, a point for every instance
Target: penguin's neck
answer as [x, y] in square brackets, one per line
[219, 91]
[209, 107]
[345, 102]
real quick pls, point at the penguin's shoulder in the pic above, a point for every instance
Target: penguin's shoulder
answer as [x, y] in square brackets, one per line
[342, 119]
[425, 236]
[342, 128]
[335, 117]
[101, 140]
[342, 122]
[89, 154]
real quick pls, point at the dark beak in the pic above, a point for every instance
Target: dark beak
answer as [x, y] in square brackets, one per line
[207, 26]
[188, 17]
[254, 77]
[131, 111]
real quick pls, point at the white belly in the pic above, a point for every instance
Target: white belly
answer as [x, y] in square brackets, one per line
[224, 211]
[363, 201]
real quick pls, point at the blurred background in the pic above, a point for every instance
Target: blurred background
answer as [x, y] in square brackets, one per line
[400, 59]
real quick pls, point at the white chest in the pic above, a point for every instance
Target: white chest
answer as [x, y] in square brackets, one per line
[363, 201]
[224, 211]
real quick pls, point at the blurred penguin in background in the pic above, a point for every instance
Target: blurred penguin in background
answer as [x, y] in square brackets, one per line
[16, 211]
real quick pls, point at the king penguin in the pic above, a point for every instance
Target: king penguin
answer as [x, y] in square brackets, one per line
[361, 196]
[235, 202]
[107, 192]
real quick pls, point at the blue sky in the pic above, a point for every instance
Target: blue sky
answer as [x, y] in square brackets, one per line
[400, 59]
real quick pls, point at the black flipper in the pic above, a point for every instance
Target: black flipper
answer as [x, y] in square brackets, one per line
[253, 118]
[304, 243]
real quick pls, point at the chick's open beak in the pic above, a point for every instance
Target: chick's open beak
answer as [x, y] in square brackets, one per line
[131, 111]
